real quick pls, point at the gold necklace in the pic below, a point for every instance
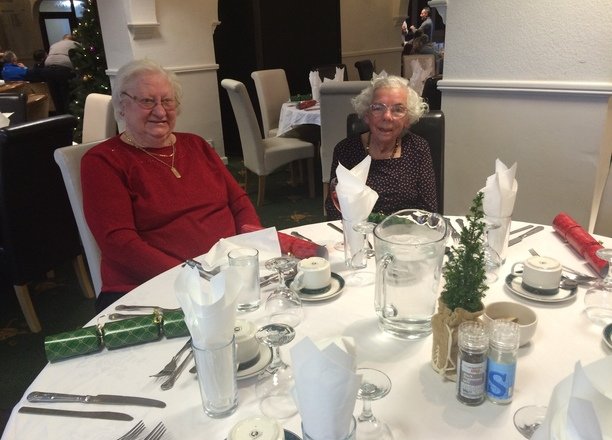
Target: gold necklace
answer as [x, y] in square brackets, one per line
[395, 148]
[154, 155]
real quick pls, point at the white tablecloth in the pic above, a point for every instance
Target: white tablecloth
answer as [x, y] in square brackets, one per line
[420, 405]
[291, 116]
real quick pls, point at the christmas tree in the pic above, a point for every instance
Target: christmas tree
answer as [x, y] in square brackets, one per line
[89, 64]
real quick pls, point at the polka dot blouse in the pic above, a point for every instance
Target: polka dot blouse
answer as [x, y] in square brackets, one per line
[403, 182]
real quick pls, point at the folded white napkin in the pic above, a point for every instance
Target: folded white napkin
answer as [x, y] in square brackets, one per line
[500, 191]
[580, 405]
[209, 307]
[264, 240]
[326, 388]
[498, 204]
[315, 84]
[4, 119]
[339, 74]
[356, 199]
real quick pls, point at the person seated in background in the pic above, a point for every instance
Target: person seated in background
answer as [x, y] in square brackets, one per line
[39, 56]
[12, 69]
[401, 171]
[38, 71]
[154, 197]
[422, 45]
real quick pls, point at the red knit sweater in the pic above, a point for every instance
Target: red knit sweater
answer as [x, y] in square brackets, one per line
[145, 220]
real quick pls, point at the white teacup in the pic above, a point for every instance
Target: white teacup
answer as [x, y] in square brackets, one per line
[247, 346]
[314, 273]
[540, 274]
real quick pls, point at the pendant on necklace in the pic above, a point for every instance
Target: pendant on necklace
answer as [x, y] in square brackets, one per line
[175, 172]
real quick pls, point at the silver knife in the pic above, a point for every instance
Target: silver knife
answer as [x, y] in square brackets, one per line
[515, 240]
[38, 396]
[524, 228]
[107, 415]
[331, 225]
[298, 235]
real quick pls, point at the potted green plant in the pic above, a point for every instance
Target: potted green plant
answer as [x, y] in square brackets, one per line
[463, 291]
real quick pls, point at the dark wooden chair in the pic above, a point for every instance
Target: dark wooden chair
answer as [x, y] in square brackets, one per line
[365, 68]
[38, 229]
[15, 103]
[431, 128]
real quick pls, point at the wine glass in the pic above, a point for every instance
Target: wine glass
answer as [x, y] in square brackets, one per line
[493, 261]
[275, 383]
[283, 305]
[333, 183]
[598, 299]
[359, 260]
[528, 419]
[374, 385]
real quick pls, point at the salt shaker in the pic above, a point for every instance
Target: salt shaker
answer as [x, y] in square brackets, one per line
[501, 363]
[473, 342]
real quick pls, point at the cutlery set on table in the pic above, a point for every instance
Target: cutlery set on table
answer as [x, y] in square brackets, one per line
[101, 399]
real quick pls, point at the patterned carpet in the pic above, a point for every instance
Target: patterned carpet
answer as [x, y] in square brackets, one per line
[61, 306]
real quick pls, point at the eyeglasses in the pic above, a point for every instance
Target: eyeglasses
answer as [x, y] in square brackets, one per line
[150, 103]
[379, 109]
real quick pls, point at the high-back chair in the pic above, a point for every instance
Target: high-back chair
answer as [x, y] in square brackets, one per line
[98, 118]
[272, 91]
[262, 156]
[69, 161]
[431, 128]
[365, 69]
[15, 103]
[38, 230]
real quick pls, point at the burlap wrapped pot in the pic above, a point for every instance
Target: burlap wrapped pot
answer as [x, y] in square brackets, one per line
[445, 326]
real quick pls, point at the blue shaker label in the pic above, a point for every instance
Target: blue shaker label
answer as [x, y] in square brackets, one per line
[500, 380]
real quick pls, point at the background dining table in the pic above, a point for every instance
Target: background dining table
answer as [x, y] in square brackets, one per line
[421, 404]
[291, 116]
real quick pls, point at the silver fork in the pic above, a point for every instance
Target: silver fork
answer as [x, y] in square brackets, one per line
[134, 432]
[169, 383]
[579, 277]
[157, 433]
[171, 366]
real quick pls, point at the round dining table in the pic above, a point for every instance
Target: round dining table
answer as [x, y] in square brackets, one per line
[420, 405]
[291, 116]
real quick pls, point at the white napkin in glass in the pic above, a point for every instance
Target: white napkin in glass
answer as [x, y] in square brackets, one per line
[580, 405]
[355, 197]
[315, 84]
[500, 191]
[339, 74]
[264, 240]
[209, 307]
[326, 388]
[498, 204]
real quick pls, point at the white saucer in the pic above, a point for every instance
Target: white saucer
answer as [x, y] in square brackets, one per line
[334, 289]
[513, 283]
[265, 356]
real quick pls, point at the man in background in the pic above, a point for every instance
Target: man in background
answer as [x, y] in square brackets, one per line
[60, 71]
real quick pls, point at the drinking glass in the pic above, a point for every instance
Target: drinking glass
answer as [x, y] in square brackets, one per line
[374, 385]
[359, 260]
[528, 419]
[276, 382]
[283, 305]
[333, 183]
[492, 259]
[598, 299]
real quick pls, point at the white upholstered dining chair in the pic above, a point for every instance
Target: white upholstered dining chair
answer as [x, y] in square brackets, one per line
[98, 118]
[272, 91]
[69, 161]
[263, 156]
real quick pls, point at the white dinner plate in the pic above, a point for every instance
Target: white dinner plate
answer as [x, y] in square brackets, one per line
[334, 289]
[265, 356]
[513, 283]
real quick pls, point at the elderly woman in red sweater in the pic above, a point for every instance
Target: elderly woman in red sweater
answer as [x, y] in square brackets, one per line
[154, 197]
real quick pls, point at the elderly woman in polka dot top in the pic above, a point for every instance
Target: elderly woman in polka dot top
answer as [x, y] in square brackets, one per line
[401, 171]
